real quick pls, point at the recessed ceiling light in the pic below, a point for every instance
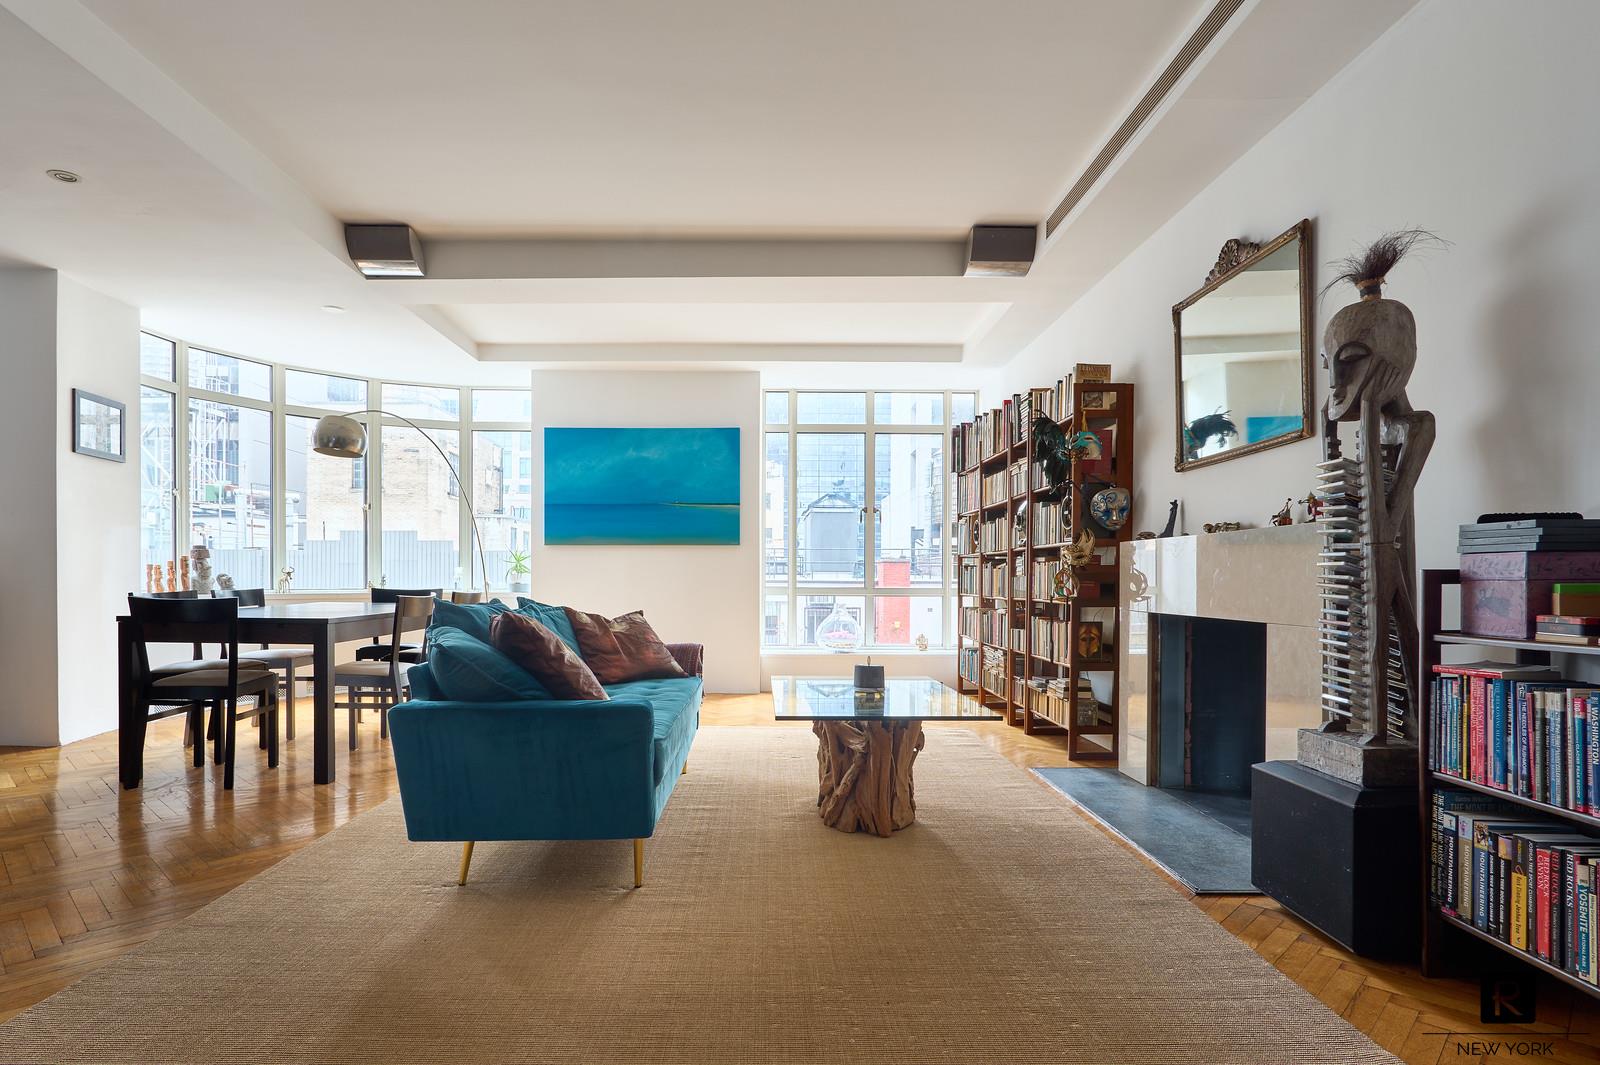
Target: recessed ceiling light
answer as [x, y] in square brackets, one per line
[333, 308]
[64, 175]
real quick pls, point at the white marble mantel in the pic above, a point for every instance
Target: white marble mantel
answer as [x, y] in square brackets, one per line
[1268, 576]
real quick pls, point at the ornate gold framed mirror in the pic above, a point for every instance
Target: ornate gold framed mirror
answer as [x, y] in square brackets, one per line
[1242, 348]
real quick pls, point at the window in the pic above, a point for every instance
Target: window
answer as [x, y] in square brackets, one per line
[158, 461]
[226, 461]
[854, 515]
[158, 357]
[502, 405]
[421, 509]
[230, 489]
[502, 500]
[229, 374]
[302, 388]
[422, 402]
[324, 512]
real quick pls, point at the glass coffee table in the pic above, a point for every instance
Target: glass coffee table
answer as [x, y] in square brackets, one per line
[867, 741]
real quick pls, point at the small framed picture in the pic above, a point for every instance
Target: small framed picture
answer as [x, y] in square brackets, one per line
[1091, 639]
[98, 426]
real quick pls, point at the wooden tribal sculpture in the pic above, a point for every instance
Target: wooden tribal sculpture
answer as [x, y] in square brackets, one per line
[1368, 625]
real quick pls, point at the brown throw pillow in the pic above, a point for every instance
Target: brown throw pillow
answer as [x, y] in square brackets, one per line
[624, 648]
[544, 654]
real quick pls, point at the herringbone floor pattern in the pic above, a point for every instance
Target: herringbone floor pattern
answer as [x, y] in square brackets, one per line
[88, 872]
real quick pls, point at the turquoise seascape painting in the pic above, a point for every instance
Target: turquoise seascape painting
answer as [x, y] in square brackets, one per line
[641, 486]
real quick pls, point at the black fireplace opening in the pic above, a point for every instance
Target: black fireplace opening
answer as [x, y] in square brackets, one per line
[1210, 700]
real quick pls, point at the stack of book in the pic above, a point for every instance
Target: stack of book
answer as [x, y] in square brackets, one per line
[1533, 534]
[994, 536]
[996, 488]
[968, 492]
[967, 579]
[993, 675]
[1047, 525]
[1519, 729]
[1527, 881]
[1044, 578]
[968, 662]
[993, 580]
[1049, 638]
[971, 622]
[1581, 630]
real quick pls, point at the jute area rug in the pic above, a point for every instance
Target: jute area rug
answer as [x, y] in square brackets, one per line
[1001, 927]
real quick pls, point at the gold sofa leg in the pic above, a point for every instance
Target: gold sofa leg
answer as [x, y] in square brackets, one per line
[466, 860]
[685, 770]
[638, 863]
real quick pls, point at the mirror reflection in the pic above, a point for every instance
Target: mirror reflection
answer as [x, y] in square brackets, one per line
[1242, 355]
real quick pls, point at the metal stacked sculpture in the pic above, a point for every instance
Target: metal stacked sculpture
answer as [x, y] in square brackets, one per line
[1368, 628]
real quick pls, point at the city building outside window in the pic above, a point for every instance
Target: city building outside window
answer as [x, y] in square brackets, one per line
[225, 461]
[856, 496]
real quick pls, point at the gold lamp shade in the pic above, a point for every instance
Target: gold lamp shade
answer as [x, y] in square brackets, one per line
[341, 437]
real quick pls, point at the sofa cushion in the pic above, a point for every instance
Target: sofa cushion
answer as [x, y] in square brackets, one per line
[539, 651]
[675, 710]
[553, 618]
[471, 618]
[467, 670]
[622, 648]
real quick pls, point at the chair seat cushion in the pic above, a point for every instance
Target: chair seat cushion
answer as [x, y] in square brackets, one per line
[471, 618]
[470, 671]
[539, 651]
[374, 652]
[278, 657]
[190, 666]
[373, 671]
[675, 709]
[214, 678]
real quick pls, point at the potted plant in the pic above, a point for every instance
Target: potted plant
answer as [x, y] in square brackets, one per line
[517, 572]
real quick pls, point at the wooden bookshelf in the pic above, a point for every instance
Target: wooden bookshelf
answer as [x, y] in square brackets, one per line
[1444, 947]
[1011, 651]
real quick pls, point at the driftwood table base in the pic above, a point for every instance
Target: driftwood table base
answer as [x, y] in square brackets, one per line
[864, 770]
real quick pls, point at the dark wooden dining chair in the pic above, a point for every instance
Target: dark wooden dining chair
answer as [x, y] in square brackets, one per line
[162, 694]
[287, 659]
[383, 683]
[467, 597]
[377, 650]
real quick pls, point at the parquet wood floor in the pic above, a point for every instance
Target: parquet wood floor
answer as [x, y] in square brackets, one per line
[88, 872]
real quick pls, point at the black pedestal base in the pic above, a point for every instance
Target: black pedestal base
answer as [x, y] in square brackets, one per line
[1341, 857]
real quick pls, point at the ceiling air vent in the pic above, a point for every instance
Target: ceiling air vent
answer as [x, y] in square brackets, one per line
[1198, 42]
[384, 251]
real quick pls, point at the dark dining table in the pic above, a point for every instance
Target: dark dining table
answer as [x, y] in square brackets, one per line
[321, 625]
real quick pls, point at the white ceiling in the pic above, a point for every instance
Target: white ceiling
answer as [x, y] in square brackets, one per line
[693, 117]
[223, 143]
[722, 323]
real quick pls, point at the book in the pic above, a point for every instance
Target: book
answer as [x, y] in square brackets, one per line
[1563, 638]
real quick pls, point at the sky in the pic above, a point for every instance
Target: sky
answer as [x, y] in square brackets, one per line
[614, 466]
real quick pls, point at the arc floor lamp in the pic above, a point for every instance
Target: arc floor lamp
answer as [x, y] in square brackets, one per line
[342, 437]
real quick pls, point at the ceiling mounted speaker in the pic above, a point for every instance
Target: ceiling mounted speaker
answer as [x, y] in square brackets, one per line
[384, 251]
[1001, 251]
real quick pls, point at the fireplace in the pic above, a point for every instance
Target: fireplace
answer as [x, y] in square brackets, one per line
[1219, 655]
[1209, 698]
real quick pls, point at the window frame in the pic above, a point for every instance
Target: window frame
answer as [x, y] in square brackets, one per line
[867, 590]
[279, 411]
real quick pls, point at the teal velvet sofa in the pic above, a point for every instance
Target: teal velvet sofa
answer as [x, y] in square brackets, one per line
[545, 769]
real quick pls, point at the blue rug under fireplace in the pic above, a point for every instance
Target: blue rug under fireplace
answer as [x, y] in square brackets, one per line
[1200, 838]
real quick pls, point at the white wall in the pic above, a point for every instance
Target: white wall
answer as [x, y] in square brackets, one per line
[96, 506]
[696, 594]
[1472, 118]
[28, 427]
[71, 537]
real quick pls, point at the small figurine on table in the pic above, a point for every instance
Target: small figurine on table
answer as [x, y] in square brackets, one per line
[1283, 516]
[285, 580]
[1313, 507]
